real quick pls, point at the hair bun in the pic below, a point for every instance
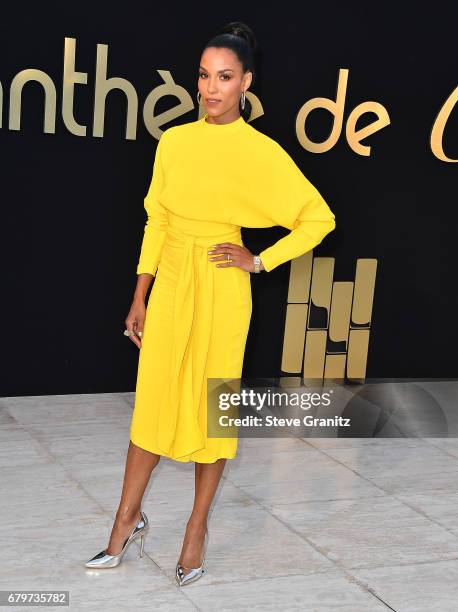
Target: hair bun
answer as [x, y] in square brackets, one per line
[240, 29]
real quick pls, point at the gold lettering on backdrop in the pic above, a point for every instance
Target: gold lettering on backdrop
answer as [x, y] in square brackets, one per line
[437, 132]
[168, 88]
[355, 136]
[327, 322]
[300, 280]
[337, 110]
[339, 326]
[186, 103]
[17, 85]
[103, 86]
[71, 77]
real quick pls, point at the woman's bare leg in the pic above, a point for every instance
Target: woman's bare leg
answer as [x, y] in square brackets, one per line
[207, 477]
[139, 465]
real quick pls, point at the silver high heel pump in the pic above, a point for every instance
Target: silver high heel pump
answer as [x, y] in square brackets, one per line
[102, 560]
[195, 573]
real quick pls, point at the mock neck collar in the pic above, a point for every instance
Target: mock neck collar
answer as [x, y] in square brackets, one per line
[222, 127]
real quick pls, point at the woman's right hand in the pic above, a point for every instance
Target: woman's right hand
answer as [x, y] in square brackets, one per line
[135, 320]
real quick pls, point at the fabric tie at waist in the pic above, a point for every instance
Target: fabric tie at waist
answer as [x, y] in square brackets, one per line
[192, 314]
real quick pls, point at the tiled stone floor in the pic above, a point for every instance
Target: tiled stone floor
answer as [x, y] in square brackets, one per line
[315, 524]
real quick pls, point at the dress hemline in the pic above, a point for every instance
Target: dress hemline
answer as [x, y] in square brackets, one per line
[179, 459]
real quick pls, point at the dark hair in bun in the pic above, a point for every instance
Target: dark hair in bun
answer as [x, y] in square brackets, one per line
[238, 37]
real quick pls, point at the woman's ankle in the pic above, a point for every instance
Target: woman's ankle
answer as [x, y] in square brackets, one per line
[127, 517]
[196, 522]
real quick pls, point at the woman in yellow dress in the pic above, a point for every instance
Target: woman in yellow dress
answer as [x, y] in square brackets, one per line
[210, 177]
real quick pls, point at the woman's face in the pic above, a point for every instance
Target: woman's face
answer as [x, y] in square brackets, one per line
[221, 78]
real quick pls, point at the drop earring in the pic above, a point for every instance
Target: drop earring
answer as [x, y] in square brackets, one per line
[198, 97]
[242, 100]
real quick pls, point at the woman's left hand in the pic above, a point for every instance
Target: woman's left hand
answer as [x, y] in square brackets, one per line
[239, 256]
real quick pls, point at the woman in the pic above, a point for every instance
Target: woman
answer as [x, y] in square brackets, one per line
[211, 177]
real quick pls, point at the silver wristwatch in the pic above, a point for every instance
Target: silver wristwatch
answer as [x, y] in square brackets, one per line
[257, 263]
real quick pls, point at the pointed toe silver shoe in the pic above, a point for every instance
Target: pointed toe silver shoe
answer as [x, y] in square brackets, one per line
[102, 560]
[195, 573]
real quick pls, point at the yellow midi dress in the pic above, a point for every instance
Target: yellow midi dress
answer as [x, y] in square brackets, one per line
[208, 181]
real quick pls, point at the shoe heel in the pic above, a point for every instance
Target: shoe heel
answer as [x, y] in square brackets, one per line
[104, 560]
[196, 572]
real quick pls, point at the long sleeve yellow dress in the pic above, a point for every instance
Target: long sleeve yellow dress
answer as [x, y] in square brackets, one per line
[208, 181]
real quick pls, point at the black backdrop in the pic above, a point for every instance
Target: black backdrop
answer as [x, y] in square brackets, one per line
[72, 206]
